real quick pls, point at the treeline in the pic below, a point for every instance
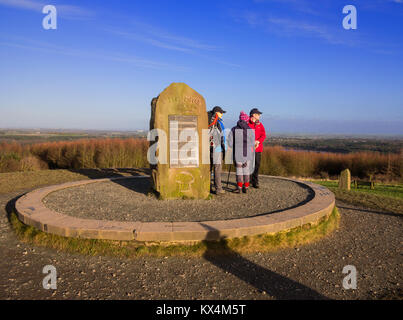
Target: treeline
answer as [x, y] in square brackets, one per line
[132, 153]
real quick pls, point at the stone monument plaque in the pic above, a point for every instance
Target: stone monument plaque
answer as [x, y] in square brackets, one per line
[185, 127]
[180, 112]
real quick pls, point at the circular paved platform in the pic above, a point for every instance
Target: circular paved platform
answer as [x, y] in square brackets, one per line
[299, 203]
[129, 200]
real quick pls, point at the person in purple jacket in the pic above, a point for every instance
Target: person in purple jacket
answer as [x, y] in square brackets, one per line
[242, 140]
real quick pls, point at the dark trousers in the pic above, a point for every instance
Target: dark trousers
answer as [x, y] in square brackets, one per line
[215, 170]
[254, 179]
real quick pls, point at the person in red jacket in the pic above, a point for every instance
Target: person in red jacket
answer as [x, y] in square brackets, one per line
[260, 135]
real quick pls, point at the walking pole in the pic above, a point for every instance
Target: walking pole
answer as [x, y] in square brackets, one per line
[229, 171]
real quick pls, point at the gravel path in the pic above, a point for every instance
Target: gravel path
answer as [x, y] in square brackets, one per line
[127, 200]
[370, 240]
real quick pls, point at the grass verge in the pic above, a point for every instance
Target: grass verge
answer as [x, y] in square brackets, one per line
[376, 199]
[132, 249]
[385, 190]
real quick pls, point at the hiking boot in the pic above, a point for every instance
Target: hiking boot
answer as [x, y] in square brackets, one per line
[237, 190]
[256, 186]
[220, 192]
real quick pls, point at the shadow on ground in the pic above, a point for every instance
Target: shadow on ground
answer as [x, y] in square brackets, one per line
[373, 211]
[230, 186]
[262, 279]
[136, 185]
[144, 186]
[10, 206]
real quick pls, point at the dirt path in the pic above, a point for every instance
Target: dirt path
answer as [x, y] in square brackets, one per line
[368, 239]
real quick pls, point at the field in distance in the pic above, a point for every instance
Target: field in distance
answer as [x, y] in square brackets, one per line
[307, 142]
[25, 136]
[338, 143]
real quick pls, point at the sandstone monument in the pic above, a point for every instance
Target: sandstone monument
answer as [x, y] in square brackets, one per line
[345, 179]
[180, 113]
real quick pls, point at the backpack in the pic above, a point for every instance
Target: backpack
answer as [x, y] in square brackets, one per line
[212, 129]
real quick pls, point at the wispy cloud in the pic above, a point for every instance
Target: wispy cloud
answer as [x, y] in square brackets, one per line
[149, 40]
[63, 10]
[160, 38]
[331, 33]
[186, 42]
[180, 44]
[22, 4]
[290, 27]
[154, 36]
[287, 27]
[27, 44]
[297, 5]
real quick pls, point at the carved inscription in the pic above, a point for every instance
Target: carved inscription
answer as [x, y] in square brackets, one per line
[183, 141]
[186, 100]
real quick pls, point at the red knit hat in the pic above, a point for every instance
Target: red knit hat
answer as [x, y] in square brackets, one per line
[243, 116]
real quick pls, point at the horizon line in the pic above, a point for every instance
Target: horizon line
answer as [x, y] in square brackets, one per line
[395, 135]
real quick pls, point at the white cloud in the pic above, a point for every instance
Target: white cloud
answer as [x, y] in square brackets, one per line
[297, 5]
[66, 11]
[157, 37]
[161, 38]
[27, 44]
[172, 42]
[150, 40]
[295, 28]
[187, 42]
[301, 28]
[22, 4]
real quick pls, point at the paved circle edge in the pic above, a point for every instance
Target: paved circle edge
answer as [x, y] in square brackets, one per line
[31, 211]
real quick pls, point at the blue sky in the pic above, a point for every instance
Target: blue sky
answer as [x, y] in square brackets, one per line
[290, 58]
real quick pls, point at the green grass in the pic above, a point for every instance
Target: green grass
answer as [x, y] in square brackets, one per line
[386, 190]
[132, 249]
[384, 196]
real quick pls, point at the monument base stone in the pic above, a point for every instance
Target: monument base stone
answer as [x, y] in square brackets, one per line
[177, 111]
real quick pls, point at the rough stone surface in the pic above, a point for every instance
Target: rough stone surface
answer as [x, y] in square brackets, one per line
[127, 200]
[168, 180]
[367, 238]
[345, 180]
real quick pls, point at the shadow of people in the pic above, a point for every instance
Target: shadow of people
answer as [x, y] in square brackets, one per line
[136, 185]
[264, 280]
[230, 185]
[386, 213]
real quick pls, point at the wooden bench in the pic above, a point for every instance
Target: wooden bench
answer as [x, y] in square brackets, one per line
[357, 183]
